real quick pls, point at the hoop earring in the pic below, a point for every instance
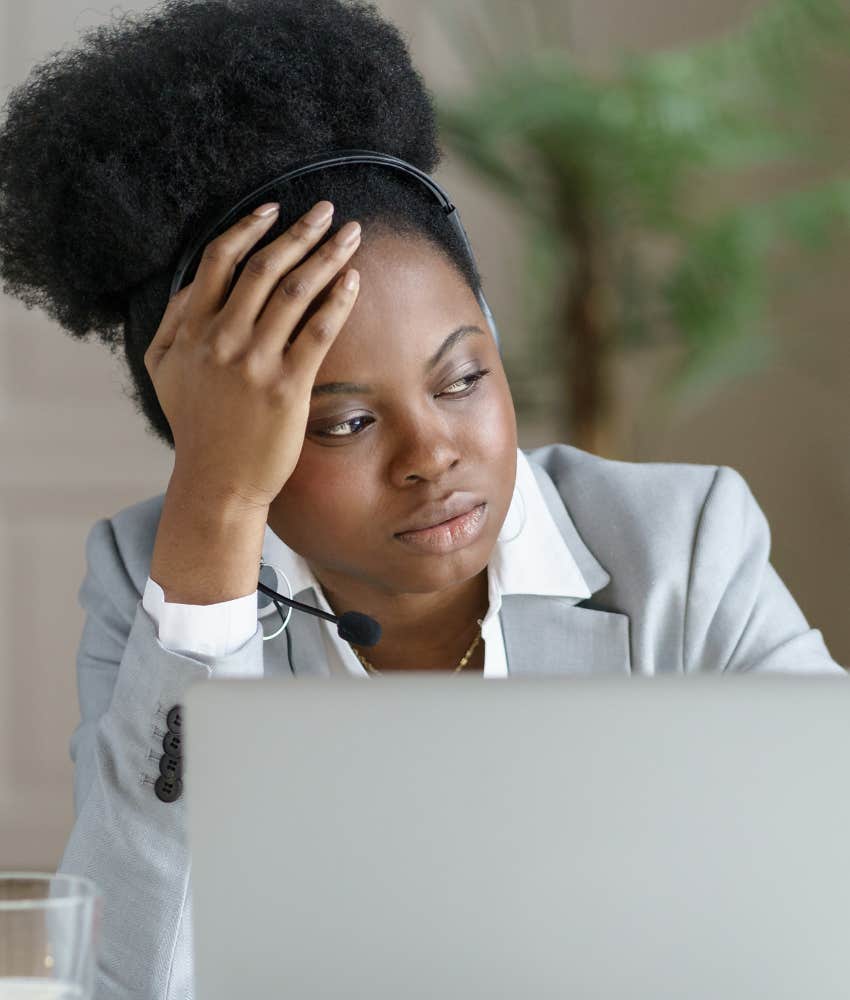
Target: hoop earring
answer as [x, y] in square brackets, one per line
[277, 605]
[522, 501]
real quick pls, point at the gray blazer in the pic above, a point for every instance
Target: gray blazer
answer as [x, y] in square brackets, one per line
[676, 558]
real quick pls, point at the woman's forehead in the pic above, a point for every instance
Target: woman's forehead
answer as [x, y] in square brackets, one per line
[420, 365]
[392, 257]
[409, 301]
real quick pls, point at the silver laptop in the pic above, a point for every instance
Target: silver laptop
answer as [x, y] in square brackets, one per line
[436, 837]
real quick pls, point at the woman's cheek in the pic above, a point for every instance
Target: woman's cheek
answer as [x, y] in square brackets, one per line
[495, 427]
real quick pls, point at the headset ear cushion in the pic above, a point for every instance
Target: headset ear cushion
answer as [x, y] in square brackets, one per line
[489, 316]
[270, 577]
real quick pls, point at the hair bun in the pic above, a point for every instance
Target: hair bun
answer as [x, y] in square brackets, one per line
[110, 152]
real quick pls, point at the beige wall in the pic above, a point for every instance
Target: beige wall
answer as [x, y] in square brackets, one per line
[74, 450]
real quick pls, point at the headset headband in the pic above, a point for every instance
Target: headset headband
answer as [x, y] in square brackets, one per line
[190, 258]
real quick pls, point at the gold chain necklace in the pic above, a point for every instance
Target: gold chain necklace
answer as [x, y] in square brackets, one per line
[464, 659]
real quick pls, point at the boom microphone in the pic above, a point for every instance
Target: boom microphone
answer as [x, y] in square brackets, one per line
[353, 626]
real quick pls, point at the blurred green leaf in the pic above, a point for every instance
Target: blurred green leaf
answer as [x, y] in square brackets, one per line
[614, 164]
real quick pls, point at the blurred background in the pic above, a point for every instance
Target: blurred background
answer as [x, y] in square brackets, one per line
[658, 196]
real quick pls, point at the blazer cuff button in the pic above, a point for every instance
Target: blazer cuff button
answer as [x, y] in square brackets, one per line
[168, 790]
[174, 720]
[171, 767]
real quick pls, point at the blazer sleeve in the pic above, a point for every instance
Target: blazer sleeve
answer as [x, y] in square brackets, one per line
[130, 842]
[739, 615]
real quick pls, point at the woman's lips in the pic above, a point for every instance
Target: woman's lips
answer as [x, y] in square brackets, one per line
[450, 535]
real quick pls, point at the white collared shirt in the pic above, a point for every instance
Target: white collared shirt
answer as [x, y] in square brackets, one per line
[530, 557]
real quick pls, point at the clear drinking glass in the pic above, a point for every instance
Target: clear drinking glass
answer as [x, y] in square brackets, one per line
[49, 929]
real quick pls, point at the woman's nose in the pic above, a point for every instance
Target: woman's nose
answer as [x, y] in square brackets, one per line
[427, 451]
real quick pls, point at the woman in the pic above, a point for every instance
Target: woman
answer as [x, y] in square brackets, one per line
[567, 563]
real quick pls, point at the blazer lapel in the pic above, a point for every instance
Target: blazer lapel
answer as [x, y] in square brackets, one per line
[543, 635]
[554, 635]
[565, 635]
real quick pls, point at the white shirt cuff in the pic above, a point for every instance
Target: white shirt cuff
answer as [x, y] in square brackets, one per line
[212, 629]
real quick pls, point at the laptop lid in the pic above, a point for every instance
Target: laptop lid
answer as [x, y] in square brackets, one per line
[434, 836]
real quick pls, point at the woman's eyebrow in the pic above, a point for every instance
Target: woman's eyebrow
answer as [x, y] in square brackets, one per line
[329, 388]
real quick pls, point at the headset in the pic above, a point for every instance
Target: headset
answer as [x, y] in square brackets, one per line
[207, 230]
[351, 625]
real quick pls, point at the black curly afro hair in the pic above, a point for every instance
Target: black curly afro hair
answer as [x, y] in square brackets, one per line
[111, 153]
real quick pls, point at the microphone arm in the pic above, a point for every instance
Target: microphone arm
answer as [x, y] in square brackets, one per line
[353, 626]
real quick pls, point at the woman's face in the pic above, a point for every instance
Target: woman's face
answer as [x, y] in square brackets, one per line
[370, 459]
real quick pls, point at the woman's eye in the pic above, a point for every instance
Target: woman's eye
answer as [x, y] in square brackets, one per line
[469, 381]
[345, 423]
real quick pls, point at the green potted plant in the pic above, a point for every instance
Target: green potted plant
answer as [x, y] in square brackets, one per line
[608, 172]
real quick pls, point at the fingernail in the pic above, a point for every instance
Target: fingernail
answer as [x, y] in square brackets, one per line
[268, 209]
[350, 235]
[319, 213]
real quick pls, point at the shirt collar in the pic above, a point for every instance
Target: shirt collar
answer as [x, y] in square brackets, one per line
[530, 555]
